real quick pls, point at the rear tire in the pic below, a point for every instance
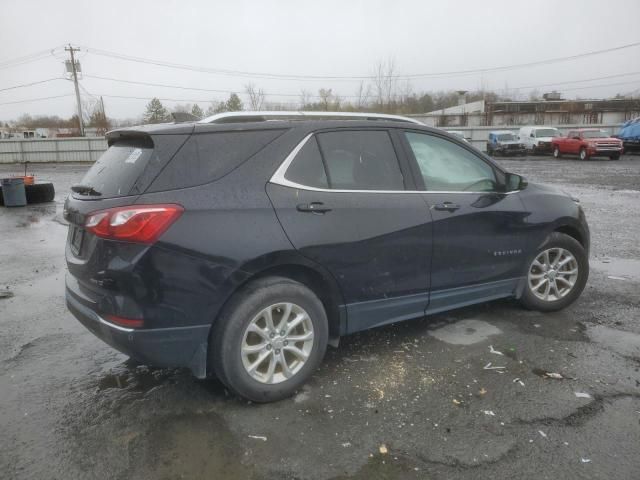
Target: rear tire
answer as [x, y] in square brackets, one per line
[556, 152]
[554, 278]
[243, 335]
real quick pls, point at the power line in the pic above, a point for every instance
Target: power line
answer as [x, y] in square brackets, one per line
[32, 57]
[30, 84]
[37, 99]
[180, 87]
[265, 75]
[578, 81]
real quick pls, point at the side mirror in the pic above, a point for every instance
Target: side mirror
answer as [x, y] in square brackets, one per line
[515, 182]
[532, 135]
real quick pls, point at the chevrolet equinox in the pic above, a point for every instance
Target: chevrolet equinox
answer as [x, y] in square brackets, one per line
[241, 245]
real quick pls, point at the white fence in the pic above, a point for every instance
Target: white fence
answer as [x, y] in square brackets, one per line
[88, 149]
[81, 149]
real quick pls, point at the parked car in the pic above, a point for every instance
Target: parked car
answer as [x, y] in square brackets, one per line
[241, 245]
[587, 142]
[538, 139]
[504, 142]
[459, 134]
[630, 135]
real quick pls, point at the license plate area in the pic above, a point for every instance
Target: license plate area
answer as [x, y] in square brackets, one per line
[77, 236]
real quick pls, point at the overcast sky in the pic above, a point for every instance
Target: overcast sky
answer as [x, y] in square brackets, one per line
[321, 37]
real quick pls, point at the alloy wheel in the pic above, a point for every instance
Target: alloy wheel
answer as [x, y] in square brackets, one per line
[553, 274]
[277, 343]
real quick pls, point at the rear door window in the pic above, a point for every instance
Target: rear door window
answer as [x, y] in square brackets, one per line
[116, 171]
[360, 160]
[206, 157]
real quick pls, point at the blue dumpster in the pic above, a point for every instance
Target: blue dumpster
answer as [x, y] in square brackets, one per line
[13, 192]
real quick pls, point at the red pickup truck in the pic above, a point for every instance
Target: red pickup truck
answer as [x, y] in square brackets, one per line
[587, 142]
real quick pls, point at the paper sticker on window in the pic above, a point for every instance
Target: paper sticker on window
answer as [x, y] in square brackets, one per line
[134, 155]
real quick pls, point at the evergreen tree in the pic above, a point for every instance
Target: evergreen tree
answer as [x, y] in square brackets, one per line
[234, 104]
[156, 113]
[197, 111]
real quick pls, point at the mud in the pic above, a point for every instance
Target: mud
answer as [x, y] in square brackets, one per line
[73, 408]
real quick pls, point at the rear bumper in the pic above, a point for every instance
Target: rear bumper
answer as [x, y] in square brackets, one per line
[161, 347]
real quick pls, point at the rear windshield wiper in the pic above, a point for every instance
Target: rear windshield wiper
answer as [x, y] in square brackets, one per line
[85, 190]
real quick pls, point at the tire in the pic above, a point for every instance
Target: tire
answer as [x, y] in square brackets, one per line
[556, 152]
[40, 192]
[615, 156]
[558, 298]
[231, 333]
[583, 154]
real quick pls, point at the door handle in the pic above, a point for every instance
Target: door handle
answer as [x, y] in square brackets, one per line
[446, 206]
[313, 207]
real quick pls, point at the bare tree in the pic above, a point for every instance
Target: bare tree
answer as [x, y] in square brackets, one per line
[305, 98]
[362, 96]
[385, 80]
[256, 96]
[326, 97]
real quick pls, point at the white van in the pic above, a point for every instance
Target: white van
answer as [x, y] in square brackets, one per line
[538, 139]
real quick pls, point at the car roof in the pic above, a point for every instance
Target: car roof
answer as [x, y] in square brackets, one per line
[308, 125]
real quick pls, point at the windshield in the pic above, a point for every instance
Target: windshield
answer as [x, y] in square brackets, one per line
[547, 132]
[506, 137]
[594, 134]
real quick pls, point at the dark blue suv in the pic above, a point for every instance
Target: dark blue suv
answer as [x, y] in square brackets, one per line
[240, 246]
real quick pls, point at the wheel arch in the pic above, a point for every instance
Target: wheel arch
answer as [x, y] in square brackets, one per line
[573, 232]
[295, 267]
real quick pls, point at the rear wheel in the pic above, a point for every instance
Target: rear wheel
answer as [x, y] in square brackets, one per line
[556, 152]
[269, 340]
[583, 154]
[557, 274]
[39, 192]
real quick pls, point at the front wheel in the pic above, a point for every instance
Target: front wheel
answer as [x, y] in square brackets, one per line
[557, 274]
[583, 154]
[269, 339]
[556, 152]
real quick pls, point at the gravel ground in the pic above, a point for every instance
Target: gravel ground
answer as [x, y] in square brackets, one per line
[412, 400]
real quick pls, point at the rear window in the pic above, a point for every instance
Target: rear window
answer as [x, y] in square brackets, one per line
[116, 171]
[206, 157]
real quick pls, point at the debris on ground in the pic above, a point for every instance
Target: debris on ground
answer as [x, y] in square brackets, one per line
[346, 444]
[489, 367]
[258, 437]
[544, 435]
[482, 391]
[555, 376]
[517, 380]
[492, 350]
[582, 395]
[614, 277]
[383, 449]
[489, 412]
[457, 402]
[5, 294]
[585, 460]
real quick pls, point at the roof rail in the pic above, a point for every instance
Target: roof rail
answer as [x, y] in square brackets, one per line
[234, 117]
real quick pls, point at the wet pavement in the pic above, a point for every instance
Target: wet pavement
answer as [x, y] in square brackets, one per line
[490, 391]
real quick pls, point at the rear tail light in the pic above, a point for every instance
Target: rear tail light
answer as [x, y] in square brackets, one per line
[136, 223]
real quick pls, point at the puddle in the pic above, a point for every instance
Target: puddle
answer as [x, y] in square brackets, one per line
[624, 343]
[142, 379]
[189, 446]
[465, 332]
[619, 269]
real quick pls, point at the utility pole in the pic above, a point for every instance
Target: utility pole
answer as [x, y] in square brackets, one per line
[74, 73]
